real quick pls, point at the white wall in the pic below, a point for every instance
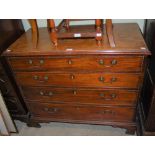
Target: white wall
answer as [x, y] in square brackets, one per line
[43, 23]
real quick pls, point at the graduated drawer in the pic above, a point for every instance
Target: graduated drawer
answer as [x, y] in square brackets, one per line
[123, 80]
[86, 96]
[83, 112]
[87, 63]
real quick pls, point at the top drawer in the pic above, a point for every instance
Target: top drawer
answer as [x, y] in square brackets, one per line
[76, 63]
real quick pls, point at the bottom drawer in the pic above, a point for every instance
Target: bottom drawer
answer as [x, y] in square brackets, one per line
[82, 112]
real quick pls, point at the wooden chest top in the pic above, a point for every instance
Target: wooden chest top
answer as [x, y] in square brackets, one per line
[128, 39]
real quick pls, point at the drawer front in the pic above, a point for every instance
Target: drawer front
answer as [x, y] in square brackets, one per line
[56, 111]
[86, 96]
[123, 80]
[95, 63]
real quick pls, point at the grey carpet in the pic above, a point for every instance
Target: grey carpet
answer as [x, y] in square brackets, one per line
[66, 129]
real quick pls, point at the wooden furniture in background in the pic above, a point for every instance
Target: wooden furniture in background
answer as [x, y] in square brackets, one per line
[35, 34]
[65, 31]
[146, 108]
[79, 81]
[10, 31]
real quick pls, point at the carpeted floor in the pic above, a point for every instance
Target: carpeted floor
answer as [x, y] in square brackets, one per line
[66, 129]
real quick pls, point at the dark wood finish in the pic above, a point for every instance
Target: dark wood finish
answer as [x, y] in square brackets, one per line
[35, 34]
[10, 96]
[99, 25]
[81, 96]
[78, 81]
[106, 80]
[64, 31]
[146, 110]
[127, 38]
[78, 63]
[10, 31]
[83, 112]
[52, 30]
[109, 29]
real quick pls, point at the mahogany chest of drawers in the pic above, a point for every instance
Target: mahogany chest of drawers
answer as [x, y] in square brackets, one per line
[78, 81]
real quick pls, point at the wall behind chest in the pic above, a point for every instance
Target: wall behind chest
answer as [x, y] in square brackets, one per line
[43, 23]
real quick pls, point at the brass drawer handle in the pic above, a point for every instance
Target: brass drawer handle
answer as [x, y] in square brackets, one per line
[72, 76]
[107, 112]
[101, 62]
[35, 77]
[30, 62]
[46, 77]
[113, 79]
[113, 96]
[51, 110]
[70, 62]
[74, 92]
[101, 79]
[41, 61]
[46, 94]
[114, 62]
[41, 93]
[50, 93]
